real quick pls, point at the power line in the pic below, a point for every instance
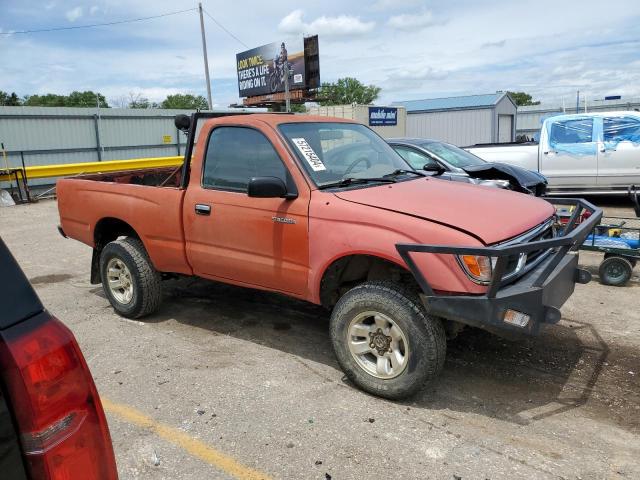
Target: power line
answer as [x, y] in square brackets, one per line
[76, 27]
[223, 28]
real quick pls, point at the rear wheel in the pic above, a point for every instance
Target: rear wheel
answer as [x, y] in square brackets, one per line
[615, 271]
[129, 279]
[384, 340]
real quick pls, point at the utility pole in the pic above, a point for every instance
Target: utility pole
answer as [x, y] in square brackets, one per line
[578, 101]
[204, 53]
[287, 95]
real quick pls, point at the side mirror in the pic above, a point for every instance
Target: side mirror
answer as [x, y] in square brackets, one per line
[182, 122]
[436, 168]
[267, 187]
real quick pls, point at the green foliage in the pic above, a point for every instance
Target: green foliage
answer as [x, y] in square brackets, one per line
[298, 108]
[9, 99]
[185, 101]
[346, 91]
[74, 99]
[522, 99]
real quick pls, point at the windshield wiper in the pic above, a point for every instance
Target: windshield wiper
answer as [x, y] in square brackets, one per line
[354, 180]
[401, 170]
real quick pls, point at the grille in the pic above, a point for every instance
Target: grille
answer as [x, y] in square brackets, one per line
[518, 265]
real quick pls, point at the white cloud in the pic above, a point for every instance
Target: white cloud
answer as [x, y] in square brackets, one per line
[423, 73]
[94, 9]
[342, 25]
[414, 78]
[74, 14]
[415, 21]
[395, 4]
[498, 44]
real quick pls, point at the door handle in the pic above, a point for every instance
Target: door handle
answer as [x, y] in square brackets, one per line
[202, 209]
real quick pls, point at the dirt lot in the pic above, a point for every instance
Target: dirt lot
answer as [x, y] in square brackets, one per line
[226, 382]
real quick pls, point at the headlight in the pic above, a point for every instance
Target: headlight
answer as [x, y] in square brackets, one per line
[495, 183]
[478, 268]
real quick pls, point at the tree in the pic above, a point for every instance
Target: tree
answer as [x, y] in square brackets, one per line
[185, 101]
[86, 99]
[136, 100]
[9, 99]
[74, 99]
[522, 99]
[298, 108]
[346, 91]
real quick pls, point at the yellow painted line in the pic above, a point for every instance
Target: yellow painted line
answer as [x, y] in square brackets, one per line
[195, 447]
[66, 169]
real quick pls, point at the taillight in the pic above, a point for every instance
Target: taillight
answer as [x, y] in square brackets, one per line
[63, 429]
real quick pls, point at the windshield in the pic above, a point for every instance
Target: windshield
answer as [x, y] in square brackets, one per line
[455, 156]
[333, 152]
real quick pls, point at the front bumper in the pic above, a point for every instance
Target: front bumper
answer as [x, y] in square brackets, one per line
[539, 293]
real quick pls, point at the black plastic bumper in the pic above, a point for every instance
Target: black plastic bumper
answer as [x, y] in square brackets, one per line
[539, 293]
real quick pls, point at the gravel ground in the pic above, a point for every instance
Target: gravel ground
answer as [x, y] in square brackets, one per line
[252, 375]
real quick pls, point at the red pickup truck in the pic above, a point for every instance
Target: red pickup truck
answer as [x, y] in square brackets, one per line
[269, 201]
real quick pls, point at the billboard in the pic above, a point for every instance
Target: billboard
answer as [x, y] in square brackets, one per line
[262, 70]
[383, 116]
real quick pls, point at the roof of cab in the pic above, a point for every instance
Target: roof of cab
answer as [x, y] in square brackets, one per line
[275, 119]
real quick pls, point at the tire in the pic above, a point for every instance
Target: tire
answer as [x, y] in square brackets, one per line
[127, 261]
[615, 271]
[631, 260]
[422, 340]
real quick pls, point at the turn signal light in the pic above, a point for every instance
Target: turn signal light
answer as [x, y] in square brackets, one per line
[516, 318]
[477, 267]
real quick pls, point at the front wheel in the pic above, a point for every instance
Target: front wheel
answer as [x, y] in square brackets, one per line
[384, 340]
[129, 279]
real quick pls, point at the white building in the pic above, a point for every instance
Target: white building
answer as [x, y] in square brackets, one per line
[464, 120]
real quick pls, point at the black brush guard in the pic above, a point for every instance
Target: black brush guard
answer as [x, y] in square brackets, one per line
[538, 293]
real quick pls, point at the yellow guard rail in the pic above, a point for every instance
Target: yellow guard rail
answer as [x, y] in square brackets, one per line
[66, 169]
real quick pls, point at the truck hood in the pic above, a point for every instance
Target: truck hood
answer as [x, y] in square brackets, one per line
[489, 214]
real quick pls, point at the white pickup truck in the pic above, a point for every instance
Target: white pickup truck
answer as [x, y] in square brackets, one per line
[590, 153]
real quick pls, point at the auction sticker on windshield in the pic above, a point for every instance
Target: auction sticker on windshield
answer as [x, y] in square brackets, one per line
[309, 155]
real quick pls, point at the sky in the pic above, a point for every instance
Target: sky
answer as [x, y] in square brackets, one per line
[412, 49]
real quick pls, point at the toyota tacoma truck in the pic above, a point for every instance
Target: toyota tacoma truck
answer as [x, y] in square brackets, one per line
[266, 201]
[588, 153]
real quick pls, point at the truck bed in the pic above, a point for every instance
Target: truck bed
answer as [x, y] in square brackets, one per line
[524, 155]
[502, 144]
[148, 201]
[151, 177]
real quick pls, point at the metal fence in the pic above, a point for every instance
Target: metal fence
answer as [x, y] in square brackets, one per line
[51, 135]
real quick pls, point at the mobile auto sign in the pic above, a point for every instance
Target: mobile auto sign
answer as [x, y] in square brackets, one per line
[262, 70]
[383, 116]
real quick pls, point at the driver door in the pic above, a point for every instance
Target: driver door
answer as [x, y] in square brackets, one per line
[258, 242]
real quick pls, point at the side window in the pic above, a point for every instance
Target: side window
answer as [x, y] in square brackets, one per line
[579, 130]
[235, 154]
[620, 129]
[417, 160]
